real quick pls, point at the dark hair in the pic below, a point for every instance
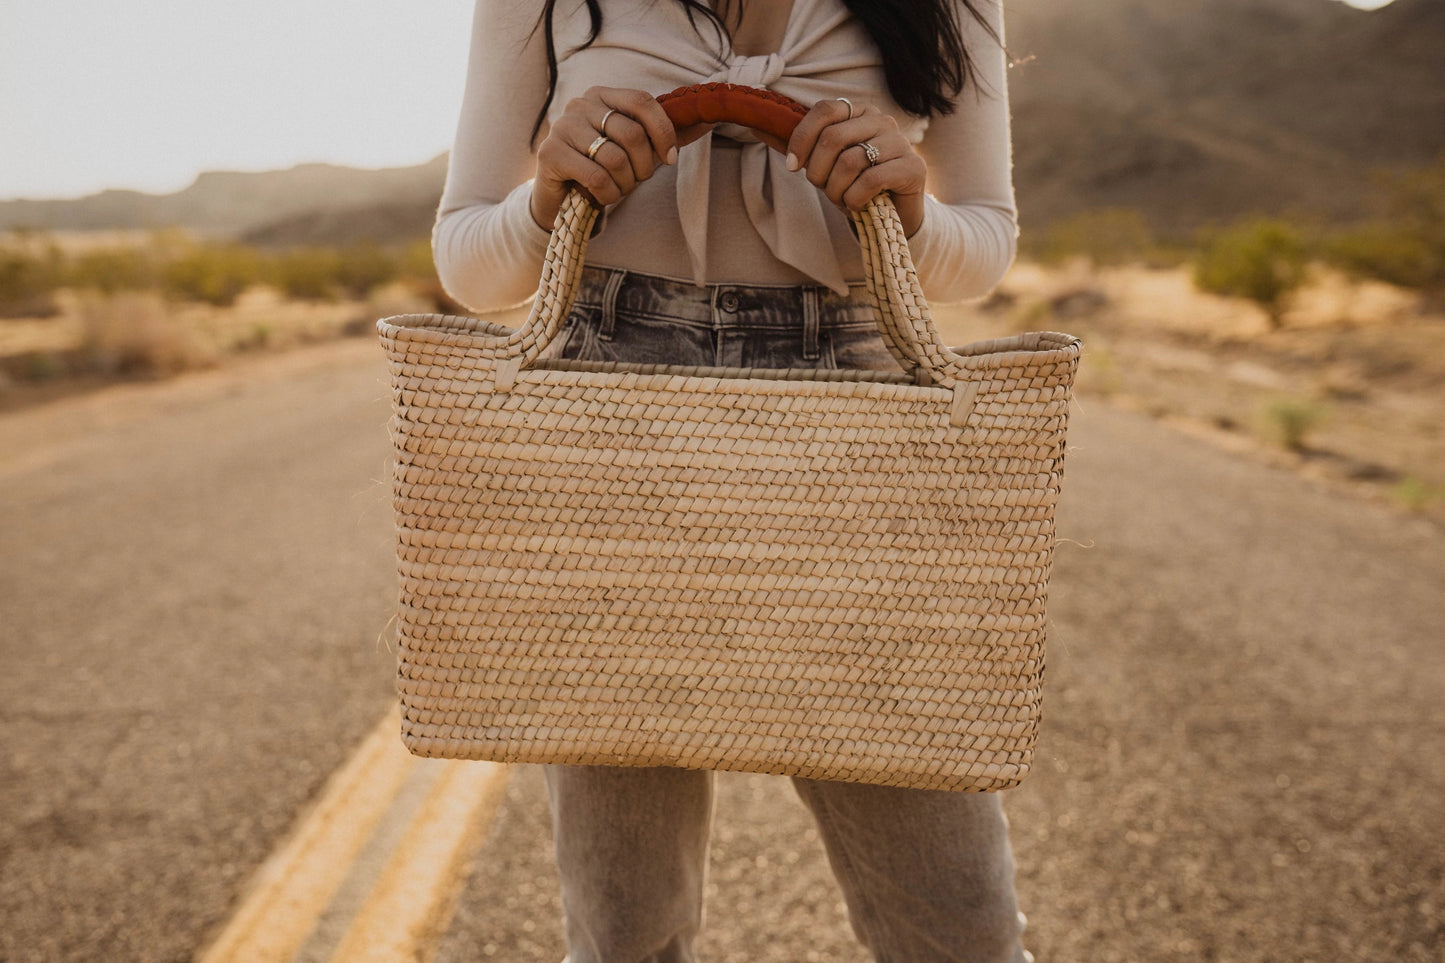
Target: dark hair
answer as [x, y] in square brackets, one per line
[924, 59]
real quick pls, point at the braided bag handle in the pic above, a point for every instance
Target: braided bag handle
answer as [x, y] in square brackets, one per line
[904, 319]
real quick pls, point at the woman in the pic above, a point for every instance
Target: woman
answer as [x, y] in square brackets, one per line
[728, 253]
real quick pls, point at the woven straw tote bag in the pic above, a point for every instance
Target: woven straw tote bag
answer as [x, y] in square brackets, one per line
[832, 574]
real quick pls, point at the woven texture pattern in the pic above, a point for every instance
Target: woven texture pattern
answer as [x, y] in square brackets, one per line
[839, 575]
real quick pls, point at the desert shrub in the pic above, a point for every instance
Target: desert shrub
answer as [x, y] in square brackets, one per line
[1408, 248]
[213, 273]
[307, 273]
[1262, 260]
[364, 267]
[1418, 198]
[1385, 252]
[416, 263]
[28, 281]
[1291, 420]
[323, 273]
[260, 335]
[1107, 237]
[41, 366]
[1416, 494]
[320, 273]
[109, 270]
[134, 332]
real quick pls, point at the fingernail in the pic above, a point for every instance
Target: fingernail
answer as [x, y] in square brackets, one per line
[791, 161]
[672, 155]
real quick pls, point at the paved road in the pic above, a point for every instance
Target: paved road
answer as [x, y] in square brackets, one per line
[193, 596]
[1241, 757]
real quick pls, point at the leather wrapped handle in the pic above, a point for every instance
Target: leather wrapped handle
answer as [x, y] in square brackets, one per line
[751, 107]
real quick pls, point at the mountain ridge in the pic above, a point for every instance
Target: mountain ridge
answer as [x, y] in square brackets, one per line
[1191, 114]
[234, 203]
[1230, 108]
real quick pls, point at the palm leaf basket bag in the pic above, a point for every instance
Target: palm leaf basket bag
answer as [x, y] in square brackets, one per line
[826, 573]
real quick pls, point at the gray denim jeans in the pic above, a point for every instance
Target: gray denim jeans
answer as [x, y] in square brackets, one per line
[927, 876]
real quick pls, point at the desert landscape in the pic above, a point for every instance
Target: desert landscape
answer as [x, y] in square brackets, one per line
[1239, 207]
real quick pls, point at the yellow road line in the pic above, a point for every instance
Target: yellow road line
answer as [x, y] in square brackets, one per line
[414, 899]
[294, 886]
[426, 849]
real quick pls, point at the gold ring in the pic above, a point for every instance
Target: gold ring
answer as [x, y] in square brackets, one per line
[850, 105]
[603, 126]
[596, 145]
[870, 152]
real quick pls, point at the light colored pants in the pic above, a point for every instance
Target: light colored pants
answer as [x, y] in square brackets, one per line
[927, 876]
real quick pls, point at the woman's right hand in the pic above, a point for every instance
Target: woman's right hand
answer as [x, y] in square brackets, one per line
[639, 136]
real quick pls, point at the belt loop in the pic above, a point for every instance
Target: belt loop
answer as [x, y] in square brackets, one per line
[609, 305]
[810, 325]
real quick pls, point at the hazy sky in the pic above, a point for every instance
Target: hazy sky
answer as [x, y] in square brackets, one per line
[147, 93]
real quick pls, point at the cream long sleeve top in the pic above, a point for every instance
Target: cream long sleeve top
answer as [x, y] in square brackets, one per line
[729, 211]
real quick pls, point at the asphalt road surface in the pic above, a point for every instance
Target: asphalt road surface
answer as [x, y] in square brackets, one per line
[1242, 755]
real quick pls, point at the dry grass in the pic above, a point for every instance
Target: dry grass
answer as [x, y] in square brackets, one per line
[1367, 353]
[94, 337]
[136, 332]
[1351, 387]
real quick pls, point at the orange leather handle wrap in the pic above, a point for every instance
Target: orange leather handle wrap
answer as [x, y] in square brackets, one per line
[752, 107]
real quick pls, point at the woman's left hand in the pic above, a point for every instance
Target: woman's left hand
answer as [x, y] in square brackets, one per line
[828, 146]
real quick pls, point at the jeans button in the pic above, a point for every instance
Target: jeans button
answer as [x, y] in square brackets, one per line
[728, 301]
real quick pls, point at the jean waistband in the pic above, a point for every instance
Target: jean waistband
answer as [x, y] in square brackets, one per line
[715, 306]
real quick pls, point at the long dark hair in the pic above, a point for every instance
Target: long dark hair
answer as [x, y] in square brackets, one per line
[924, 58]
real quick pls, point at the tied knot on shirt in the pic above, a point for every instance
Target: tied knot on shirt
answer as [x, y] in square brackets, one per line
[768, 188]
[756, 71]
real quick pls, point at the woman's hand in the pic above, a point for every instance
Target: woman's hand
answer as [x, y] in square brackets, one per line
[636, 136]
[827, 145]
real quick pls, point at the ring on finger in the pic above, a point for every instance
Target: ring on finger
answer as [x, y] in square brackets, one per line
[602, 127]
[850, 106]
[596, 145]
[870, 152]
